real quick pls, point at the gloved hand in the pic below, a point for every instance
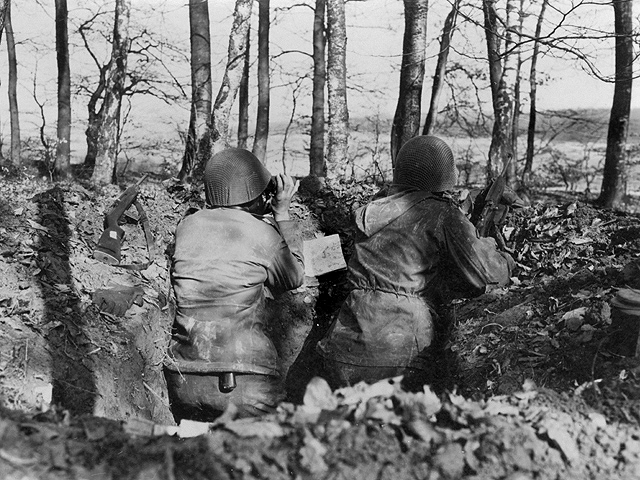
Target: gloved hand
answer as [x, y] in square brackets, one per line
[117, 300]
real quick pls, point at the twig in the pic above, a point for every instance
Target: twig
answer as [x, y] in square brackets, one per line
[154, 393]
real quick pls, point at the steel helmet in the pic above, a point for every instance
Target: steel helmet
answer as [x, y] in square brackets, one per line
[426, 162]
[234, 176]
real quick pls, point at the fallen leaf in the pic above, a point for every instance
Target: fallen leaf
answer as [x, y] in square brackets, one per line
[362, 392]
[450, 460]
[312, 455]
[318, 396]
[574, 319]
[37, 226]
[561, 439]
[580, 241]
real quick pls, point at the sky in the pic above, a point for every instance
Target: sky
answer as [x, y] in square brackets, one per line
[374, 45]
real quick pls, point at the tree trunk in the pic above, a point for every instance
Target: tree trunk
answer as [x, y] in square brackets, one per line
[62, 167]
[501, 148]
[615, 168]
[13, 85]
[4, 5]
[515, 124]
[533, 86]
[243, 98]
[107, 133]
[232, 75]
[493, 47]
[262, 120]
[406, 121]
[441, 66]
[198, 145]
[317, 165]
[338, 152]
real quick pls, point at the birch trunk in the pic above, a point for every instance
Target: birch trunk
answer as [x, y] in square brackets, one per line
[232, 76]
[502, 137]
[337, 153]
[406, 121]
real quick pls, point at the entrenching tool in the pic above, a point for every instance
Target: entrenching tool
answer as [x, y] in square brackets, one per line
[108, 248]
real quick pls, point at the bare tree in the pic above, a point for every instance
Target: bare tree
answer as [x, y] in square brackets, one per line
[232, 75]
[13, 83]
[503, 93]
[264, 97]
[104, 124]
[198, 145]
[441, 66]
[533, 88]
[148, 72]
[406, 121]
[62, 167]
[614, 178]
[317, 165]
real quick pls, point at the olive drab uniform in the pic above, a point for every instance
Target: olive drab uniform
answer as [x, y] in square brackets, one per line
[406, 246]
[224, 259]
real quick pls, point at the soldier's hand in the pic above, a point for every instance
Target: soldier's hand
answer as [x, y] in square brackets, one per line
[286, 188]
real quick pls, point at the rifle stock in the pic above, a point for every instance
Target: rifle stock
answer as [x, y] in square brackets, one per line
[486, 205]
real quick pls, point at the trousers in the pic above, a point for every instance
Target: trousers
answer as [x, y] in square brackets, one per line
[197, 396]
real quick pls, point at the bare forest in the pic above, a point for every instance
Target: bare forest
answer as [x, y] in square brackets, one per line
[537, 380]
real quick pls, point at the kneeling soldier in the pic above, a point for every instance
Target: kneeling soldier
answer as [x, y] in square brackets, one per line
[226, 257]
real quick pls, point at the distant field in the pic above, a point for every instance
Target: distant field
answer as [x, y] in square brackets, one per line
[576, 135]
[572, 135]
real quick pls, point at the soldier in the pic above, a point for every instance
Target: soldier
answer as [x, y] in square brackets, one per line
[412, 246]
[226, 257]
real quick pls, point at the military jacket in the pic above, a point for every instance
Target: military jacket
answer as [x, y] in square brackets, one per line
[411, 249]
[225, 260]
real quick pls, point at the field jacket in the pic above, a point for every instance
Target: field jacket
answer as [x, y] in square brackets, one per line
[411, 248]
[224, 260]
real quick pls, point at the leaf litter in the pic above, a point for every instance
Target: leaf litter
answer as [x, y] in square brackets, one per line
[531, 386]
